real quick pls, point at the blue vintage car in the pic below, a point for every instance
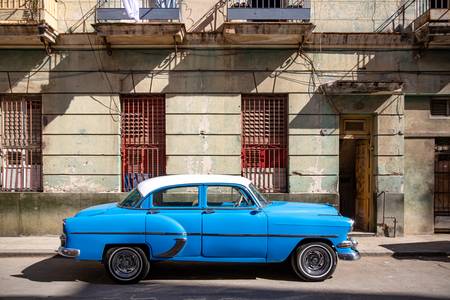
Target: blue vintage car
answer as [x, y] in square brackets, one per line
[207, 218]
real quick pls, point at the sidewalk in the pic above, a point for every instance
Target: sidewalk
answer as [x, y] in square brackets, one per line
[421, 245]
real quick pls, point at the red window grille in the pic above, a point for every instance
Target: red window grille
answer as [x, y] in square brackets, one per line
[21, 143]
[143, 148]
[264, 141]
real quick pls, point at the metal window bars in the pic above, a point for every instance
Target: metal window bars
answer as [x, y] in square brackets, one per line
[21, 143]
[264, 141]
[149, 10]
[143, 138]
[269, 3]
[142, 4]
[442, 177]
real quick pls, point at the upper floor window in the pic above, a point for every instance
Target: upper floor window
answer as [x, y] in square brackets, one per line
[439, 3]
[182, 196]
[440, 106]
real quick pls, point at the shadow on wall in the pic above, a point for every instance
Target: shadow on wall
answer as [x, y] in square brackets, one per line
[171, 281]
[227, 71]
[23, 70]
[212, 20]
[97, 75]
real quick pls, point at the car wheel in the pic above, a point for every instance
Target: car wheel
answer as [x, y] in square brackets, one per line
[126, 264]
[314, 261]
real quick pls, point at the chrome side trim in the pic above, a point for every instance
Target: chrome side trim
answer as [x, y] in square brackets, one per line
[215, 234]
[179, 244]
[354, 255]
[68, 252]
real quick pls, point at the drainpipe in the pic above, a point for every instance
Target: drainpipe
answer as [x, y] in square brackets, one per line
[394, 219]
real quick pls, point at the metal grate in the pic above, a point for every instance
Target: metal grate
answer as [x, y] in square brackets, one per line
[442, 177]
[440, 107]
[264, 141]
[21, 143]
[143, 138]
[269, 3]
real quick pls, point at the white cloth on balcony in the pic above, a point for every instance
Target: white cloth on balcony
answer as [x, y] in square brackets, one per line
[132, 8]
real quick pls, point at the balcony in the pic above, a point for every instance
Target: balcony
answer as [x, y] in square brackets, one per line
[158, 24]
[28, 22]
[268, 22]
[432, 25]
[269, 10]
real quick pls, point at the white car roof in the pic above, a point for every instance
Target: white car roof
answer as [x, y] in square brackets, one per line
[152, 184]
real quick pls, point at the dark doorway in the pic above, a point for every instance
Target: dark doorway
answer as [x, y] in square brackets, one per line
[347, 178]
[355, 179]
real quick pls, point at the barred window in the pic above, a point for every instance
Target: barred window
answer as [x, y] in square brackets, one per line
[21, 143]
[440, 106]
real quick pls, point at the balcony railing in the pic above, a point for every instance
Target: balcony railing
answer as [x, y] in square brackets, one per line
[28, 11]
[269, 10]
[414, 13]
[149, 10]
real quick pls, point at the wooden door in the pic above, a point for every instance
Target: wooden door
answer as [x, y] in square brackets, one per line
[363, 182]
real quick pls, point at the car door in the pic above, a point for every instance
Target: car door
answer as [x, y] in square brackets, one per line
[233, 226]
[173, 222]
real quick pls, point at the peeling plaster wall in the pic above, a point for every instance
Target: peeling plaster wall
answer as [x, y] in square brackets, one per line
[81, 143]
[203, 134]
[81, 131]
[421, 129]
[313, 146]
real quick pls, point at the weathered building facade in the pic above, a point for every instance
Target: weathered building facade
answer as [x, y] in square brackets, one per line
[345, 102]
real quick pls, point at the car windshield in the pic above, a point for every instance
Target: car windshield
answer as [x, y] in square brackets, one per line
[261, 199]
[132, 199]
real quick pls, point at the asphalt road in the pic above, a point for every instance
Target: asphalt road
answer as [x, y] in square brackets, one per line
[368, 278]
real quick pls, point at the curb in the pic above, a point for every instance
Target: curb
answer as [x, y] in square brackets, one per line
[406, 254]
[27, 253]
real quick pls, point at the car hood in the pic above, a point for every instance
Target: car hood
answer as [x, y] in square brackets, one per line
[97, 209]
[301, 208]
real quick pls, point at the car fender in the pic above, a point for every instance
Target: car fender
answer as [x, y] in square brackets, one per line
[164, 235]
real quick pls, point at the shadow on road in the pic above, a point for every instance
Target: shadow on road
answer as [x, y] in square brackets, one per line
[58, 268]
[430, 251]
[192, 281]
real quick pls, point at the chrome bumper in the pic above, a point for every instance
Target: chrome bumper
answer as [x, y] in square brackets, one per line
[68, 252]
[354, 255]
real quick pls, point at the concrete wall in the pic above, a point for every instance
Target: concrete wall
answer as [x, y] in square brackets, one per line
[203, 134]
[81, 143]
[421, 129]
[42, 213]
[203, 86]
[313, 147]
[419, 185]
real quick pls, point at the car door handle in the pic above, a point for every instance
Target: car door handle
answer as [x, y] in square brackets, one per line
[208, 211]
[153, 212]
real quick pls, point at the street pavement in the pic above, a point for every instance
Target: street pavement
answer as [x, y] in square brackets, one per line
[373, 277]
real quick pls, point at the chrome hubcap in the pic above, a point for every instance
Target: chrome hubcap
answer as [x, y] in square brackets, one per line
[126, 263]
[316, 261]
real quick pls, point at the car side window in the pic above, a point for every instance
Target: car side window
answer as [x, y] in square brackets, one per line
[186, 196]
[227, 197]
